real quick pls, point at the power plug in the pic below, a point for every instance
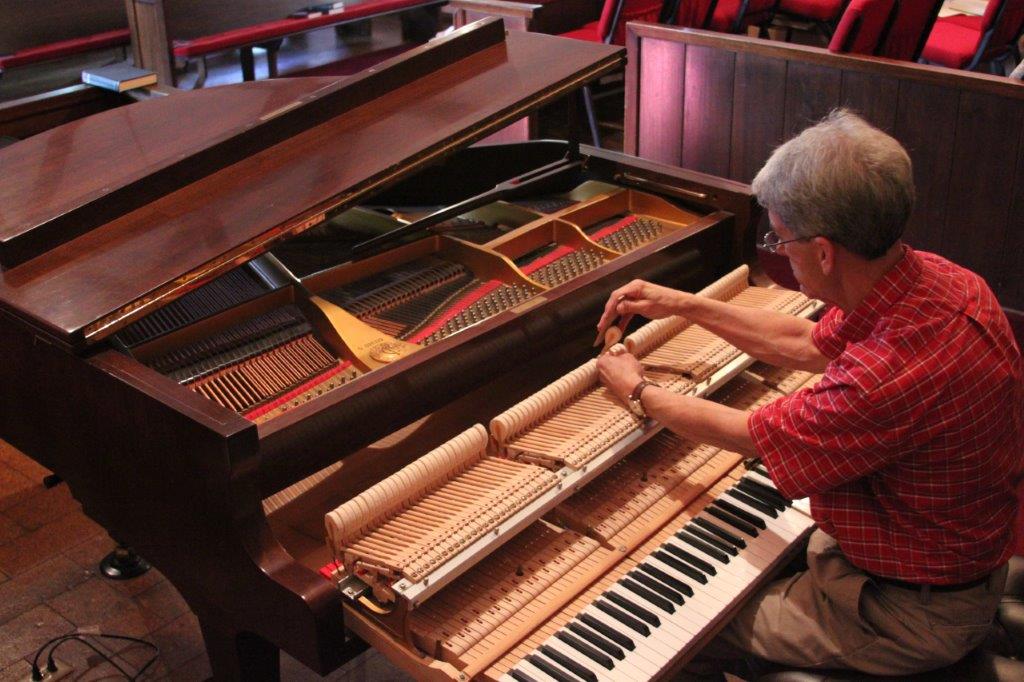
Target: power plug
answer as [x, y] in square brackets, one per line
[63, 670]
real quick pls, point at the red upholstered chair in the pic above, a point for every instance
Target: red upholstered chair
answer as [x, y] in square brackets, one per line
[611, 29]
[910, 29]
[862, 27]
[963, 42]
[824, 14]
[729, 16]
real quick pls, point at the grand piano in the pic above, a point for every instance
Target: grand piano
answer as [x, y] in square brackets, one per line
[230, 310]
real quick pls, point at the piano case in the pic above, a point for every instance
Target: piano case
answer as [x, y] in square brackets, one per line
[142, 246]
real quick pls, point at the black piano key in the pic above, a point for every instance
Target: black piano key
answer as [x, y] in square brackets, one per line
[732, 520]
[550, 668]
[689, 558]
[707, 537]
[566, 662]
[680, 566]
[763, 470]
[520, 676]
[619, 638]
[647, 595]
[771, 494]
[585, 649]
[688, 538]
[655, 586]
[677, 585]
[712, 527]
[746, 499]
[741, 513]
[633, 607]
[623, 617]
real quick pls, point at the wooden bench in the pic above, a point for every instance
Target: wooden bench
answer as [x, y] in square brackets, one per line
[37, 31]
[721, 103]
[195, 29]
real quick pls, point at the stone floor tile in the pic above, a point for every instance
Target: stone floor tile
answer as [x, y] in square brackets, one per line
[20, 462]
[162, 602]
[196, 669]
[43, 507]
[44, 543]
[15, 486]
[23, 635]
[90, 603]
[16, 672]
[45, 581]
[9, 529]
[180, 641]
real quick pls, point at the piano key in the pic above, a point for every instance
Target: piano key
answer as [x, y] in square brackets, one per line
[694, 541]
[660, 588]
[552, 670]
[765, 509]
[711, 540]
[751, 518]
[633, 606]
[569, 663]
[640, 660]
[690, 558]
[768, 494]
[677, 585]
[680, 566]
[761, 469]
[732, 520]
[667, 627]
[648, 595]
[712, 527]
[620, 639]
[624, 618]
[587, 650]
[781, 526]
[520, 676]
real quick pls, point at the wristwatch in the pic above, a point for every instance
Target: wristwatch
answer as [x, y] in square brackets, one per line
[635, 406]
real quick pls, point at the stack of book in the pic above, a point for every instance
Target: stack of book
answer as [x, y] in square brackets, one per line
[118, 77]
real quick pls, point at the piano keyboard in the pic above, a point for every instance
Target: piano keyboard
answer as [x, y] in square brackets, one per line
[668, 597]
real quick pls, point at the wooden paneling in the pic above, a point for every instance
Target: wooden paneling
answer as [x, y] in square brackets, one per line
[757, 115]
[963, 130]
[30, 23]
[931, 155]
[663, 75]
[707, 91]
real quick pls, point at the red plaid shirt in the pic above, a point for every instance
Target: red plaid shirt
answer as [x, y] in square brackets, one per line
[909, 446]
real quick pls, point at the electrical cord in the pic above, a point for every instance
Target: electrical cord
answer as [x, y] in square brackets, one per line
[79, 636]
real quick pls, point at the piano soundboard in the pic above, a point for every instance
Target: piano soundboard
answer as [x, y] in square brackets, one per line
[256, 342]
[571, 539]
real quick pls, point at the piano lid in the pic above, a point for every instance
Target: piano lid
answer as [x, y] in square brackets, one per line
[121, 225]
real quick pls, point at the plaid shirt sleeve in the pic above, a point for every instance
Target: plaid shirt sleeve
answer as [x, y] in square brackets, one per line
[825, 334]
[820, 438]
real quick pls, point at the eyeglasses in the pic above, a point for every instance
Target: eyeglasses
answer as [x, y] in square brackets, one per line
[770, 242]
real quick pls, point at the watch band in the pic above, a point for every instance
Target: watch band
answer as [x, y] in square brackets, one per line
[635, 405]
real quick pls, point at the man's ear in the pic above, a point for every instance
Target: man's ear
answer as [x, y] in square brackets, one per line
[825, 252]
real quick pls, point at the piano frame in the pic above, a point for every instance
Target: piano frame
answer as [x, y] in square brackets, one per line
[182, 480]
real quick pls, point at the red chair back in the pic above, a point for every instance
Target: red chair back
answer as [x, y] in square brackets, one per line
[631, 10]
[910, 29]
[1005, 20]
[861, 28]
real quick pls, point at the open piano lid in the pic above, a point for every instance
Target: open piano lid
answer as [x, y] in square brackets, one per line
[137, 219]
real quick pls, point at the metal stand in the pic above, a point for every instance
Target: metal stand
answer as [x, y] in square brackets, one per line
[123, 564]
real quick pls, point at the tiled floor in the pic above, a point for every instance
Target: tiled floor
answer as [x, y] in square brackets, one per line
[49, 586]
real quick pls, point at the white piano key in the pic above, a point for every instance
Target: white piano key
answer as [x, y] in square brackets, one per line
[599, 671]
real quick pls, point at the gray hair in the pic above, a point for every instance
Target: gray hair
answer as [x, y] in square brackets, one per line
[842, 179]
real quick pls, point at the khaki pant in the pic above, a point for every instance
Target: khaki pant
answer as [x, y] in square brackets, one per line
[834, 616]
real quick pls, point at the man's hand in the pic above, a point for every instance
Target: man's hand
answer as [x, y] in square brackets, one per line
[620, 372]
[639, 298]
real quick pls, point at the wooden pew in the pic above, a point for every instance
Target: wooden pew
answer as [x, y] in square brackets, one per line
[34, 31]
[721, 103]
[163, 29]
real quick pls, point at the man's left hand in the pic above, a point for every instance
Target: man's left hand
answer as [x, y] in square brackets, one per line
[620, 372]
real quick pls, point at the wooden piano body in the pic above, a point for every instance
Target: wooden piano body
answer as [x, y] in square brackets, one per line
[109, 220]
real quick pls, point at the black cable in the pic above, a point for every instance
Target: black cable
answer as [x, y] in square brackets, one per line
[51, 665]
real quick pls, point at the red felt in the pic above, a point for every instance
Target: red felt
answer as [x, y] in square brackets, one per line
[270, 30]
[463, 303]
[328, 570]
[66, 48]
[820, 10]
[589, 33]
[292, 394]
[860, 30]
[613, 228]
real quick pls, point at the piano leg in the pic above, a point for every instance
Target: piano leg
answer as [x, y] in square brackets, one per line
[236, 655]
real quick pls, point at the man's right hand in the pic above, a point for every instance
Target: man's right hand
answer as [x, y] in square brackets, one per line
[639, 298]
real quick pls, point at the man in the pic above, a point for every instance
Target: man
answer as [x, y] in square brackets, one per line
[908, 446]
